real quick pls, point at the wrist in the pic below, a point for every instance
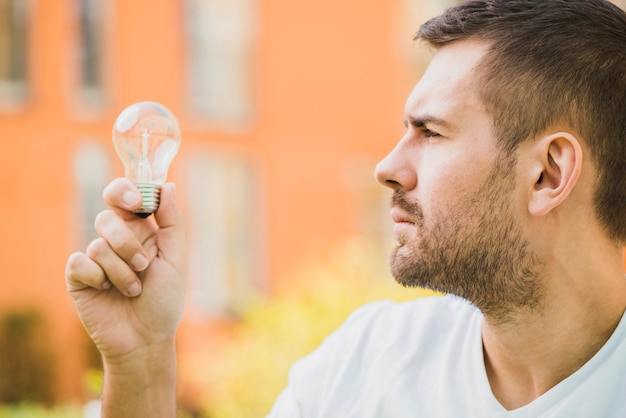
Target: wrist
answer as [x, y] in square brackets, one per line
[141, 382]
[144, 359]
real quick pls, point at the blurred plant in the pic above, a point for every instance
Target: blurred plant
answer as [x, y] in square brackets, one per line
[26, 360]
[251, 368]
[27, 410]
[92, 382]
[94, 374]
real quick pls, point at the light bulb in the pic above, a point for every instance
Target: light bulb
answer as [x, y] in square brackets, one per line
[146, 136]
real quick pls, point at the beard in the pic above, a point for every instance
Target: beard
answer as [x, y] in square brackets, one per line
[476, 250]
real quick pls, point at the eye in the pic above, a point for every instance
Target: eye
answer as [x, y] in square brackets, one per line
[429, 134]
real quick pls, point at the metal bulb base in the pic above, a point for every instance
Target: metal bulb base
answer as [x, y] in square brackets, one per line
[150, 199]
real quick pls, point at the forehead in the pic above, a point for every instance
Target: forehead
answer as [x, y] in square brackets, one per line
[448, 89]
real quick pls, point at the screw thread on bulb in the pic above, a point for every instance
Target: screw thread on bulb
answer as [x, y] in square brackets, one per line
[151, 197]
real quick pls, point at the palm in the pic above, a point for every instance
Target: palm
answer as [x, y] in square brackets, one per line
[119, 324]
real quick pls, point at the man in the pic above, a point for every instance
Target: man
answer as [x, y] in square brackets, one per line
[509, 192]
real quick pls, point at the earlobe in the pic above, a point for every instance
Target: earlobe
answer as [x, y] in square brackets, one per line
[558, 163]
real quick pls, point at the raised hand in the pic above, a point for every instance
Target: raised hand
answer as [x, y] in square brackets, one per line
[129, 285]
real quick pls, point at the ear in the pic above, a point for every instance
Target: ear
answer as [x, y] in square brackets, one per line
[557, 163]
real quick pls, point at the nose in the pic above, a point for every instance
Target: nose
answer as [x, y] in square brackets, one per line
[396, 170]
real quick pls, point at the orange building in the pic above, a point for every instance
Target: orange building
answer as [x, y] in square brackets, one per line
[285, 108]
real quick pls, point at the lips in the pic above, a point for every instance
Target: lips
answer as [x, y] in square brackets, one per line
[400, 217]
[403, 226]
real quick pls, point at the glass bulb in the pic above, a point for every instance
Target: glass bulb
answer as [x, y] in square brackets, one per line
[146, 136]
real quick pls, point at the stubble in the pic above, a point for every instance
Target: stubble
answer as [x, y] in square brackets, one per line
[476, 250]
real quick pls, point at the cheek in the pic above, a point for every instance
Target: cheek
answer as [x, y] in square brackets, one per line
[442, 186]
[451, 170]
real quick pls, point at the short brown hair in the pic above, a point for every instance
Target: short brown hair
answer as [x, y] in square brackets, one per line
[553, 62]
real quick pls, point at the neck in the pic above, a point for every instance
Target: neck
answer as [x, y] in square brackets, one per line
[536, 349]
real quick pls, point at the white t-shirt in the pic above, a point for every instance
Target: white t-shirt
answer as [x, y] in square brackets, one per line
[425, 359]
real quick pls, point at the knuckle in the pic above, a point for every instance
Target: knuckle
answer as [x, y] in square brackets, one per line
[112, 192]
[73, 262]
[104, 218]
[73, 266]
[77, 273]
[97, 248]
[98, 281]
[121, 278]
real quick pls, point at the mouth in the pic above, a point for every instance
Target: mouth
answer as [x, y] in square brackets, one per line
[398, 216]
[402, 222]
[406, 215]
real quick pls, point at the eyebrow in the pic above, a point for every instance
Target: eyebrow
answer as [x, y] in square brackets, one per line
[420, 122]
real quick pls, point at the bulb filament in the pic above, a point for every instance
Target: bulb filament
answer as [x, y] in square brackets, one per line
[144, 170]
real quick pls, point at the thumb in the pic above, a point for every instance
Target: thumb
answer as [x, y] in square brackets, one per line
[171, 222]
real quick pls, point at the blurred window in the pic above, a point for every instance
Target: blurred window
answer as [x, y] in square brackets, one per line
[219, 59]
[224, 244]
[13, 51]
[91, 174]
[90, 51]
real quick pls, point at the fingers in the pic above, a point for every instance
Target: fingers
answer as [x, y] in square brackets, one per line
[114, 268]
[82, 272]
[119, 251]
[126, 243]
[168, 214]
[114, 258]
[100, 268]
[171, 224]
[122, 196]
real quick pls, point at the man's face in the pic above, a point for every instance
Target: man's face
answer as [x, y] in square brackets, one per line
[453, 206]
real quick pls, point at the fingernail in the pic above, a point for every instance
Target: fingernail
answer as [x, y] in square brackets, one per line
[139, 262]
[134, 290]
[131, 198]
[106, 285]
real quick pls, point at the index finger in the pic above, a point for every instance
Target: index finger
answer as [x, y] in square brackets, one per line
[122, 196]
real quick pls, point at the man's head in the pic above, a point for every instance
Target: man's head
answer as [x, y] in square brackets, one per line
[493, 153]
[552, 63]
[456, 218]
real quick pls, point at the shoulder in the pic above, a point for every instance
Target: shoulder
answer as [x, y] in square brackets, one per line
[404, 320]
[384, 330]
[424, 315]
[377, 343]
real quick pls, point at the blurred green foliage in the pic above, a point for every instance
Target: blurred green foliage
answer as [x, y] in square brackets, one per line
[251, 367]
[26, 360]
[27, 410]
